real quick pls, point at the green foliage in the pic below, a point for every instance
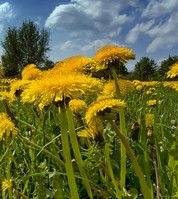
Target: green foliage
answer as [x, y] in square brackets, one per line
[24, 45]
[145, 69]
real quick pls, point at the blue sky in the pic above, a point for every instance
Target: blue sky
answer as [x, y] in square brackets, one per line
[81, 27]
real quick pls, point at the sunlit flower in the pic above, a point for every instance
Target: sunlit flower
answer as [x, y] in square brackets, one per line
[139, 87]
[7, 184]
[73, 64]
[57, 87]
[31, 72]
[77, 105]
[125, 86]
[17, 86]
[150, 91]
[98, 109]
[5, 84]
[136, 82]
[153, 102]
[173, 71]
[7, 127]
[94, 132]
[149, 120]
[6, 96]
[111, 54]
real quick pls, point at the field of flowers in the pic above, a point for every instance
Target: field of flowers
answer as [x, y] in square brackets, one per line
[67, 134]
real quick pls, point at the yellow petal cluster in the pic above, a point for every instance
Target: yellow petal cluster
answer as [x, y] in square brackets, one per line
[173, 71]
[6, 184]
[97, 109]
[125, 86]
[57, 87]
[31, 72]
[153, 102]
[73, 64]
[94, 132]
[18, 85]
[7, 127]
[149, 119]
[111, 53]
[77, 105]
[8, 96]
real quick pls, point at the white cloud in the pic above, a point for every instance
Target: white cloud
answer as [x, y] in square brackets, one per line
[157, 8]
[87, 47]
[5, 11]
[93, 46]
[89, 17]
[164, 35]
[134, 33]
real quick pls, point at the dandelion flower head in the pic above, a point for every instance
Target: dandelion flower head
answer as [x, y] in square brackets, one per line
[125, 86]
[73, 64]
[149, 120]
[93, 131]
[97, 109]
[7, 96]
[57, 87]
[77, 105]
[153, 102]
[8, 128]
[31, 72]
[111, 53]
[173, 71]
[6, 184]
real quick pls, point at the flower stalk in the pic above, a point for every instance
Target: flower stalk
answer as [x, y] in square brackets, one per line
[67, 154]
[123, 150]
[138, 171]
[8, 168]
[108, 163]
[75, 147]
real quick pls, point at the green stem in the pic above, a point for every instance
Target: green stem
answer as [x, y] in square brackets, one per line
[67, 154]
[36, 146]
[8, 174]
[123, 150]
[138, 171]
[75, 146]
[118, 92]
[108, 163]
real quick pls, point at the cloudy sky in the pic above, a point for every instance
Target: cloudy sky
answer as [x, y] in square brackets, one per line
[81, 27]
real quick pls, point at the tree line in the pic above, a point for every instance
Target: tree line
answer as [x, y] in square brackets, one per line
[29, 44]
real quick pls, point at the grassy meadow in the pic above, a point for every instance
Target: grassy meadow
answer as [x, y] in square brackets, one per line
[66, 134]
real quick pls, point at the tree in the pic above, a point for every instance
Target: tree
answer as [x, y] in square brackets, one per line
[145, 69]
[25, 45]
[165, 66]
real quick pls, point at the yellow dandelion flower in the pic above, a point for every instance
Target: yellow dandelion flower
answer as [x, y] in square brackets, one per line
[173, 71]
[153, 102]
[7, 127]
[111, 53]
[149, 119]
[139, 87]
[150, 91]
[93, 131]
[31, 72]
[7, 96]
[98, 109]
[136, 82]
[57, 87]
[125, 86]
[18, 85]
[7, 184]
[73, 64]
[77, 105]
